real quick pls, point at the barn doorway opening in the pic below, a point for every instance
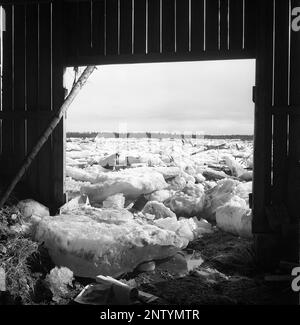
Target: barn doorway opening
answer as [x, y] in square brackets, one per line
[197, 116]
[169, 145]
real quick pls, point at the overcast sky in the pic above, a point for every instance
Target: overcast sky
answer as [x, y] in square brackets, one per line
[212, 96]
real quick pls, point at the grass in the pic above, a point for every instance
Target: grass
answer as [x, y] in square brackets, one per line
[25, 262]
[227, 253]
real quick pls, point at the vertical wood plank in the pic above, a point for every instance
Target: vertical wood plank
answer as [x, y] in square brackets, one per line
[71, 29]
[168, 26]
[1, 108]
[295, 63]
[212, 25]
[263, 119]
[125, 26]
[197, 25]
[45, 70]
[224, 32]
[153, 26]
[139, 26]
[19, 81]
[112, 27]
[182, 26]
[250, 24]
[84, 36]
[59, 136]
[44, 99]
[294, 126]
[32, 87]
[235, 24]
[7, 86]
[98, 27]
[281, 76]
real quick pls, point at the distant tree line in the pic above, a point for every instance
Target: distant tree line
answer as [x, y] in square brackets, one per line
[148, 135]
[81, 134]
[231, 136]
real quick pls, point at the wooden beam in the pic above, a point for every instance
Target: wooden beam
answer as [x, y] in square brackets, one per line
[280, 101]
[263, 118]
[44, 101]
[159, 57]
[57, 160]
[23, 2]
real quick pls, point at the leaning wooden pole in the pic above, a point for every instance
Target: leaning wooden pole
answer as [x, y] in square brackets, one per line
[44, 137]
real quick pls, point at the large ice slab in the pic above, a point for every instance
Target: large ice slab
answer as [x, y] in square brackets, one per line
[188, 228]
[189, 202]
[79, 174]
[218, 196]
[132, 185]
[222, 193]
[235, 217]
[90, 246]
[158, 209]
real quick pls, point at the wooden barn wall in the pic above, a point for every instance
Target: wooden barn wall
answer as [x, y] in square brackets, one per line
[32, 91]
[124, 31]
[41, 39]
[293, 193]
[276, 184]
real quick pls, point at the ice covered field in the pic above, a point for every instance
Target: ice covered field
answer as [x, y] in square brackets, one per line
[187, 175]
[137, 200]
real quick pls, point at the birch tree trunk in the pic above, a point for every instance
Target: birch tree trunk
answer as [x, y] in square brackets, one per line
[44, 137]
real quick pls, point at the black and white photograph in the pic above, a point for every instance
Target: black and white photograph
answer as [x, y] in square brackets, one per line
[149, 156]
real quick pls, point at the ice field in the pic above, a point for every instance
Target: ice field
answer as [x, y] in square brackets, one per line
[134, 200]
